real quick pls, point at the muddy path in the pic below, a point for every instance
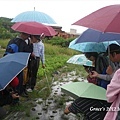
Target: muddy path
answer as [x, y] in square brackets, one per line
[53, 107]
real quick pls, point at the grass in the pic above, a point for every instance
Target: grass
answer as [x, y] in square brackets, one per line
[56, 58]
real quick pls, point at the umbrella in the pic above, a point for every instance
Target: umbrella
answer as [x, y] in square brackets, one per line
[84, 90]
[106, 19]
[80, 60]
[10, 66]
[33, 28]
[91, 35]
[90, 46]
[34, 16]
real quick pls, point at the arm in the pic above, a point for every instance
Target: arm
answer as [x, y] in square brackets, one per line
[102, 76]
[102, 64]
[113, 89]
[110, 72]
[42, 54]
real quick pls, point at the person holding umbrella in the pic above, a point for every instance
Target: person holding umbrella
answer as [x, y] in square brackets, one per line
[22, 47]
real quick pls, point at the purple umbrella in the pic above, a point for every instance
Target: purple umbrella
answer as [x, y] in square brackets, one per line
[91, 35]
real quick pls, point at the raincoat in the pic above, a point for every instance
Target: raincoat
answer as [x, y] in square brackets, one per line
[113, 96]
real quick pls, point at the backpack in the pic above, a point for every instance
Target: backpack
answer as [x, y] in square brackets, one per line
[13, 46]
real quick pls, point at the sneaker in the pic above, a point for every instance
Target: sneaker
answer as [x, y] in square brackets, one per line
[29, 90]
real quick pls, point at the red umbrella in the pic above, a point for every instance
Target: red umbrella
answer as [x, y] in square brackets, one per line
[106, 19]
[33, 28]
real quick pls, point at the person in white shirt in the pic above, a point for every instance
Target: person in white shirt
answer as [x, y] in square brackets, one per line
[37, 56]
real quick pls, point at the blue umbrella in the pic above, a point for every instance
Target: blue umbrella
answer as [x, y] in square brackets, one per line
[80, 60]
[10, 66]
[34, 16]
[90, 46]
[91, 35]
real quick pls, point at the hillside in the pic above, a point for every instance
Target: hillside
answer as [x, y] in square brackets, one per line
[5, 28]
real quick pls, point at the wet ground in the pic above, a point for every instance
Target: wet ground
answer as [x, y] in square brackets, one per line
[53, 107]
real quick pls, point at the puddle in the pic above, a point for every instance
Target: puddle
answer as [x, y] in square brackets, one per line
[53, 107]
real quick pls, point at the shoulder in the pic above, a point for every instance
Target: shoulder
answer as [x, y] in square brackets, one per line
[117, 72]
[41, 43]
[102, 57]
[116, 77]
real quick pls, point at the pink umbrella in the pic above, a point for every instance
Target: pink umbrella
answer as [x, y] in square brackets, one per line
[33, 28]
[106, 19]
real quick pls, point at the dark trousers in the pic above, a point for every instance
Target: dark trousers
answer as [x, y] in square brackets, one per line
[3, 113]
[33, 70]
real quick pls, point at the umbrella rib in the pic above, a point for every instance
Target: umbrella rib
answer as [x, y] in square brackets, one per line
[110, 22]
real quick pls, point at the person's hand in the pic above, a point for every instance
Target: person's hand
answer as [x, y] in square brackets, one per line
[109, 70]
[93, 74]
[33, 55]
[15, 95]
[43, 66]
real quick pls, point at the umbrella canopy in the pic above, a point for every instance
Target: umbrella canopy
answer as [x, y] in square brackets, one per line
[10, 66]
[91, 35]
[80, 60]
[84, 90]
[106, 19]
[90, 46]
[34, 16]
[34, 28]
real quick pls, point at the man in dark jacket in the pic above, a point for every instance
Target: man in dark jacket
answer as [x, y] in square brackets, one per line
[22, 47]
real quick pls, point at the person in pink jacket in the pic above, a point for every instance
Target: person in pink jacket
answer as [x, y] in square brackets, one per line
[113, 96]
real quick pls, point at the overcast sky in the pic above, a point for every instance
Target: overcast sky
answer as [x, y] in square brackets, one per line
[64, 12]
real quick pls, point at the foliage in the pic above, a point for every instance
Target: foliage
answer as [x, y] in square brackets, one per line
[3, 43]
[5, 28]
[59, 41]
[56, 57]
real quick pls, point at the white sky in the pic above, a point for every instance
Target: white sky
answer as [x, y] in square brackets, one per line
[64, 12]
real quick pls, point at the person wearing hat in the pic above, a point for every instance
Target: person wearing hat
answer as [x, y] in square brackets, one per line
[37, 56]
[113, 52]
